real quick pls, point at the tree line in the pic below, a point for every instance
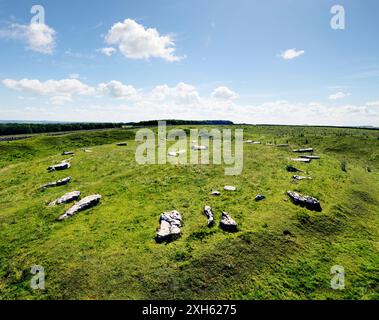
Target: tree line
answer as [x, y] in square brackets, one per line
[30, 128]
[154, 123]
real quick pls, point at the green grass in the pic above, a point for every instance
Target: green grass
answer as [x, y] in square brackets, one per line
[109, 251]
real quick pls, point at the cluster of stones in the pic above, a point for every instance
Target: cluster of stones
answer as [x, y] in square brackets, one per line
[86, 203]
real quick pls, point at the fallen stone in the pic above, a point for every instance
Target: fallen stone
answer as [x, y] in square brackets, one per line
[86, 203]
[293, 169]
[301, 160]
[216, 193]
[170, 224]
[230, 188]
[305, 201]
[209, 214]
[68, 197]
[260, 197]
[227, 223]
[196, 147]
[67, 153]
[303, 150]
[296, 177]
[121, 144]
[173, 154]
[311, 157]
[57, 183]
[60, 166]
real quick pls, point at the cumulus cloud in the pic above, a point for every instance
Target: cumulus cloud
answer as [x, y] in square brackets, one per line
[49, 87]
[183, 101]
[108, 51]
[338, 95]
[38, 37]
[291, 54]
[137, 42]
[182, 93]
[118, 90]
[224, 93]
[62, 91]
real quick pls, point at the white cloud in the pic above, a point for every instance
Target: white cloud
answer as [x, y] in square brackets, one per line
[117, 89]
[373, 104]
[49, 87]
[60, 91]
[224, 93]
[182, 93]
[179, 101]
[338, 95]
[38, 37]
[108, 51]
[291, 54]
[136, 42]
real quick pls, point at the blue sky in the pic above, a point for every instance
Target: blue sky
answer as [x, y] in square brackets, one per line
[219, 59]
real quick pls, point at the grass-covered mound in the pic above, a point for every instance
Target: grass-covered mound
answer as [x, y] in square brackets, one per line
[281, 251]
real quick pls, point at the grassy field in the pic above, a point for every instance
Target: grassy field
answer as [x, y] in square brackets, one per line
[281, 251]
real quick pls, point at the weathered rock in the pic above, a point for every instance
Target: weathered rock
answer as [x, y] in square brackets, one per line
[305, 201]
[216, 193]
[196, 147]
[68, 197]
[57, 183]
[293, 169]
[230, 188]
[121, 144]
[301, 160]
[209, 214]
[296, 177]
[260, 197]
[67, 153]
[311, 157]
[60, 166]
[170, 224]
[86, 203]
[227, 223]
[303, 150]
